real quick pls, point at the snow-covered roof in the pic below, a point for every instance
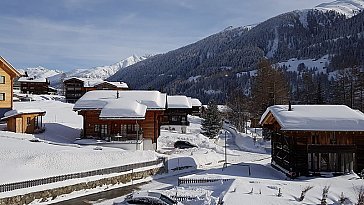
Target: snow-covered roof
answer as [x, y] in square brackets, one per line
[316, 117]
[126, 106]
[195, 102]
[32, 80]
[126, 110]
[178, 101]
[87, 82]
[13, 113]
[223, 108]
[116, 84]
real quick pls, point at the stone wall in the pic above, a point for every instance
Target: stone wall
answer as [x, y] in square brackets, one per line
[53, 193]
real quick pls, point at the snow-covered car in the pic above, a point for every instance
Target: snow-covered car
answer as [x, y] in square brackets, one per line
[183, 144]
[152, 198]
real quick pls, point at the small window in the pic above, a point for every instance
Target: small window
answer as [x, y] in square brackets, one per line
[97, 128]
[28, 121]
[2, 96]
[174, 119]
[2, 79]
[103, 130]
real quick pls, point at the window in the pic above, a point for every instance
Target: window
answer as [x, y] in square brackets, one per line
[131, 129]
[2, 96]
[174, 119]
[28, 121]
[2, 79]
[103, 130]
[97, 128]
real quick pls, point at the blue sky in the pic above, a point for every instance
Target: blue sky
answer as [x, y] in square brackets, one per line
[68, 34]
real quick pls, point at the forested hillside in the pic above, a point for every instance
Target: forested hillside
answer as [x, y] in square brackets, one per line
[209, 68]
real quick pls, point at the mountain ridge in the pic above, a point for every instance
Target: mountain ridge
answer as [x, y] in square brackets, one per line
[304, 34]
[99, 72]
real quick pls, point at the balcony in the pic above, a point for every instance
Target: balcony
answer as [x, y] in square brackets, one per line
[125, 137]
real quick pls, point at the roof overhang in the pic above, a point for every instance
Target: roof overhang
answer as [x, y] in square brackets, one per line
[11, 69]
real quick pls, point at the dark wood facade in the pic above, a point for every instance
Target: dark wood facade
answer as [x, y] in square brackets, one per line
[75, 89]
[176, 116]
[313, 152]
[196, 110]
[120, 130]
[109, 86]
[34, 87]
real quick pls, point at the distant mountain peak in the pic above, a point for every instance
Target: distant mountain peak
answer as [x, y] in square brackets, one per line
[347, 7]
[99, 72]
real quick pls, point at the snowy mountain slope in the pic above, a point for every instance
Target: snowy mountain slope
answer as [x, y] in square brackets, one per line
[347, 7]
[304, 34]
[104, 72]
[100, 72]
[40, 72]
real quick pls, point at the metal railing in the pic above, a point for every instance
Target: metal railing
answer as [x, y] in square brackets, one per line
[49, 180]
[198, 181]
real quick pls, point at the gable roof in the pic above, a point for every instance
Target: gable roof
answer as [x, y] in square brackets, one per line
[126, 110]
[116, 84]
[195, 102]
[131, 104]
[11, 69]
[33, 80]
[13, 113]
[316, 117]
[87, 82]
[178, 101]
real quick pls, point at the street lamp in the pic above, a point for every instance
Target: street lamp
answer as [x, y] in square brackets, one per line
[225, 164]
[225, 89]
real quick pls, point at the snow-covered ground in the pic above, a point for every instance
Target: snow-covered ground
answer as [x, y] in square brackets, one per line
[261, 187]
[55, 154]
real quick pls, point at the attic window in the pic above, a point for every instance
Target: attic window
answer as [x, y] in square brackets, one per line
[2, 79]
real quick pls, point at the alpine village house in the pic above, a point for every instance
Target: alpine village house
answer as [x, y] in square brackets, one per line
[7, 75]
[76, 87]
[32, 85]
[122, 115]
[178, 107]
[314, 139]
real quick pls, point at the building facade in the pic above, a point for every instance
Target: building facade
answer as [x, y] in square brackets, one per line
[75, 88]
[29, 85]
[314, 139]
[25, 121]
[121, 116]
[7, 75]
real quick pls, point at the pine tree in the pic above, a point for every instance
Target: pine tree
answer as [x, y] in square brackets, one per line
[211, 125]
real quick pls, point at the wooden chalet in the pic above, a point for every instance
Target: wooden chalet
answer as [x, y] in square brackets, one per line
[178, 107]
[75, 88]
[25, 121]
[7, 75]
[312, 139]
[122, 116]
[196, 106]
[111, 86]
[30, 85]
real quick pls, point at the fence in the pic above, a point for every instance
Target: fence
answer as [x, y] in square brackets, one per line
[198, 181]
[183, 198]
[37, 182]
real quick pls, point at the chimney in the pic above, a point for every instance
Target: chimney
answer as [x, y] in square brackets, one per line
[117, 94]
[289, 106]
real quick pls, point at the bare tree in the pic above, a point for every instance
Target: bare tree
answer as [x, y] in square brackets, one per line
[304, 191]
[325, 191]
[269, 88]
